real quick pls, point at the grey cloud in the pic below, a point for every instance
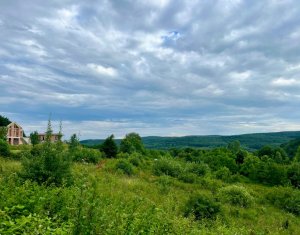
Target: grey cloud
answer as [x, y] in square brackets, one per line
[122, 59]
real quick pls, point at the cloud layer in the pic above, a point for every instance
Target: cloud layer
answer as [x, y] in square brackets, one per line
[156, 67]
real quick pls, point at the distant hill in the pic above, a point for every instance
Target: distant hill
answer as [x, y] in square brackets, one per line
[248, 141]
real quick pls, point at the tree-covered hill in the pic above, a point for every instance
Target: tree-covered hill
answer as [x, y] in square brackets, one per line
[248, 141]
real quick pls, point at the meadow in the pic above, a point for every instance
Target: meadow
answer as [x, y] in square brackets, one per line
[140, 191]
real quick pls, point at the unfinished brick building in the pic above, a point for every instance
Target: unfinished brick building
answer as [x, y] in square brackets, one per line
[14, 134]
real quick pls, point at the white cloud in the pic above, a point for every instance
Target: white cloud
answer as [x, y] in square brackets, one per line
[285, 82]
[106, 71]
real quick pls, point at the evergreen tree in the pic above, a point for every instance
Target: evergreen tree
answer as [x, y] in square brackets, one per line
[74, 143]
[109, 147]
[34, 138]
[4, 121]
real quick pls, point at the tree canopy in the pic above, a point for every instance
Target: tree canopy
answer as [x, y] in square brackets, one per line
[132, 143]
[4, 121]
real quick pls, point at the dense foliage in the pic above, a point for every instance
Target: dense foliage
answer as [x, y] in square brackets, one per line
[49, 164]
[4, 121]
[225, 190]
[4, 148]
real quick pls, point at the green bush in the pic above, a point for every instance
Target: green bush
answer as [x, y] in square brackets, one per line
[202, 207]
[285, 198]
[124, 166]
[4, 148]
[51, 166]
[293, 174]
[223, 174]
[86, 155]
[235, 195]
[135, 159]
[188, 177]
[200, 169]
[167, 166]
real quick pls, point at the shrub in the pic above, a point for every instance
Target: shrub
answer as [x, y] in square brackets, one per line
[235, 195]
[4, 148]
[87, 155]
[188, 177]
[167, 166]
[200, 169]
[223, 174]
[285, 198]
[124, 166]
[135, 159]
[202, 207]
[293, 174]
[51, 166]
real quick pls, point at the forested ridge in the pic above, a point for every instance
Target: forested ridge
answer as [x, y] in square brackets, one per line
[248, 141]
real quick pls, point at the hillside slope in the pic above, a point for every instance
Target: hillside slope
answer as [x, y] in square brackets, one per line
[248, 141]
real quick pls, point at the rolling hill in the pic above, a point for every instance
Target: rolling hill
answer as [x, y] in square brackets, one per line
[248, 141]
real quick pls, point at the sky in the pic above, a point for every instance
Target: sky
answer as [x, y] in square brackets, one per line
[155, 67]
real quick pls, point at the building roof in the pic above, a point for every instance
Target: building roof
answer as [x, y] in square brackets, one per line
[14, 123]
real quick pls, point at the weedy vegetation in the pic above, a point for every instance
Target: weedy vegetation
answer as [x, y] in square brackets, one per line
[65, 188]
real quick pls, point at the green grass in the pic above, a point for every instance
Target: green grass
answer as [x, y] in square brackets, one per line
[105, 201]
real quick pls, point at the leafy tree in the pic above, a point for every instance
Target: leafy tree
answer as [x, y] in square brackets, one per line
[34, 138]
[109, 147]
[234, 146]
[250, 166]
[240, 156]
[277, 154]
[132, 143]
[271, 173]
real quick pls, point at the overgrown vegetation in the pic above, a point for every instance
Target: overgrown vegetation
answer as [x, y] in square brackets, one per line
[58, 188]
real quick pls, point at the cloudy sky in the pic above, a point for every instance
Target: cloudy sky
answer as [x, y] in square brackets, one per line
[156, 67]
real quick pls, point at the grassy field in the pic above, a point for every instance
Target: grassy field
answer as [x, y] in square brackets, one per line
[104, 200]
